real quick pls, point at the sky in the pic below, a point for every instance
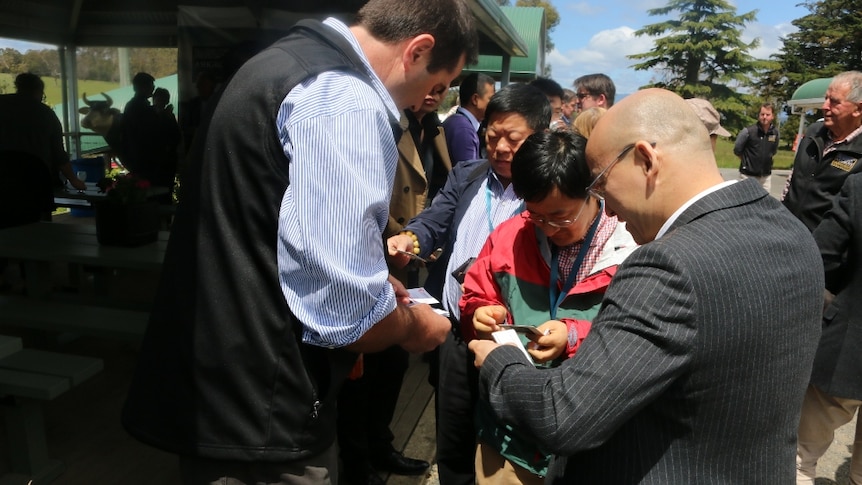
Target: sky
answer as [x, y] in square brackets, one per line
[597, 35]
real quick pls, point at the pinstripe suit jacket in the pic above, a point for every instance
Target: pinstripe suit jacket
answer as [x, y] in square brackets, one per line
[695, 367]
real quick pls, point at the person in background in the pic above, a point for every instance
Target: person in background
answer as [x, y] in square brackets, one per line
[756, 145]
[366, 404]
[683, 378]
[586, 120]
[27, 125]
[570, 106]
[554, 92]
[828, 153]
[594, 90]
[275, 274]
[710, 118]
[564, 245]
[834, 393]
[192, 111]
[140, 126]
[462, 127]
[477, 197]
[169, 134]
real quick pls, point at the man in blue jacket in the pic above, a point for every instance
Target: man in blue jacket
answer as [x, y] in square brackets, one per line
[476, 198]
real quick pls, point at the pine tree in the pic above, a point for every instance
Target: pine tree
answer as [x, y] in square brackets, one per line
[701, 54]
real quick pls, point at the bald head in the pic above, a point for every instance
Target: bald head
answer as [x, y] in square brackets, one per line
[669, 162]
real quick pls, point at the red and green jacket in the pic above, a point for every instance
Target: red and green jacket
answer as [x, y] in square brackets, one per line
[513, 270]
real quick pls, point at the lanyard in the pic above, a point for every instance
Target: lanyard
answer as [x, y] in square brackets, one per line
[488, 194]
[557, 295]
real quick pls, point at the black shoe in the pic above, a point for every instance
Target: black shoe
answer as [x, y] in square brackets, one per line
[367, 476]
[399, 464]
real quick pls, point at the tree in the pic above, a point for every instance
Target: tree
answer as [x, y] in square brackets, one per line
[552, 17]
[828, 41]
[701, 54]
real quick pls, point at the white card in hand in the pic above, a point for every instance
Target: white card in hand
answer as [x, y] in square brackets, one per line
[511, 337]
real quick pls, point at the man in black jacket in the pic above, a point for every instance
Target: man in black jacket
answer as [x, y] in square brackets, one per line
[275, 276]
[756, 145]
[829, 151]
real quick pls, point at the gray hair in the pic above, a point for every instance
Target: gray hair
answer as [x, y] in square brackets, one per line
[853, 79]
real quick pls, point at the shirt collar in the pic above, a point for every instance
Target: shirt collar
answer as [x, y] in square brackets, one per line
[666, 226]
[377, 84]
[470, 117]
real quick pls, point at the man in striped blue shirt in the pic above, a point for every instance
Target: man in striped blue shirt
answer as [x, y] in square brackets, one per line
[275, 276]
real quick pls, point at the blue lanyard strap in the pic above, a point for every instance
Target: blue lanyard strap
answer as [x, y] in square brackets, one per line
[557, 294]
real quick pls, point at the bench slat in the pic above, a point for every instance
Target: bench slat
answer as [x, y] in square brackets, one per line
[68, 317]
[28, 384]
[9, 345]
[76, 368]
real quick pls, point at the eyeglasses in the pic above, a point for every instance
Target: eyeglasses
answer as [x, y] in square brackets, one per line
[559, 224]
[582, 95]
[597, 187]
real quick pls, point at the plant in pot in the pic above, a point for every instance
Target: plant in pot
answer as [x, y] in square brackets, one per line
[126, 216]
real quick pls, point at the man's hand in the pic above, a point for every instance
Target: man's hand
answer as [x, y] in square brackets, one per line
[402, 297]
[487, 319]
[399, 242]
[481, 348]
[427, 331]
[77, 183]
[551, 345]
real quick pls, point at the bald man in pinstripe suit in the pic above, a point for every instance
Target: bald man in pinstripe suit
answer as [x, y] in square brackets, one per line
[696, 365]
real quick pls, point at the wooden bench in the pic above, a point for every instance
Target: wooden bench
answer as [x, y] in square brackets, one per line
[69, 317]
[29, 377]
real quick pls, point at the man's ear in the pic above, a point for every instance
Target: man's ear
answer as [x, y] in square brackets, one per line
[474, 99]
[647, 157]
[418, 51]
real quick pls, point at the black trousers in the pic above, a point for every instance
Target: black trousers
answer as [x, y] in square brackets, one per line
[366, 406]
[456, 396]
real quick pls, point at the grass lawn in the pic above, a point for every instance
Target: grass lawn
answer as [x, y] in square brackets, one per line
[53, 93]
[725, 158]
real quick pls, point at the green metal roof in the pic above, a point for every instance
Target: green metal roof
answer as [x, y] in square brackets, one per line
[529, 23]
[811, 93]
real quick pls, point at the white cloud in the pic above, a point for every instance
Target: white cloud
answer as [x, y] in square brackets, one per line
[605, 52]
[769, 35]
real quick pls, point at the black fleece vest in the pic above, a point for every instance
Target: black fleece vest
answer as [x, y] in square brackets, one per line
[223, 371]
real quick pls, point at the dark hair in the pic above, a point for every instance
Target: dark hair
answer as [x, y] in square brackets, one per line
[549, 159]
[524, 100]
[163, 93]
[597, 84]
[142, 80]
[548, 86]
[474, 83]
[28, 83]
[449, 21]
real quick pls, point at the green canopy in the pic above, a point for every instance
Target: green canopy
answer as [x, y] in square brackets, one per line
[529, 23]
[810, 95]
